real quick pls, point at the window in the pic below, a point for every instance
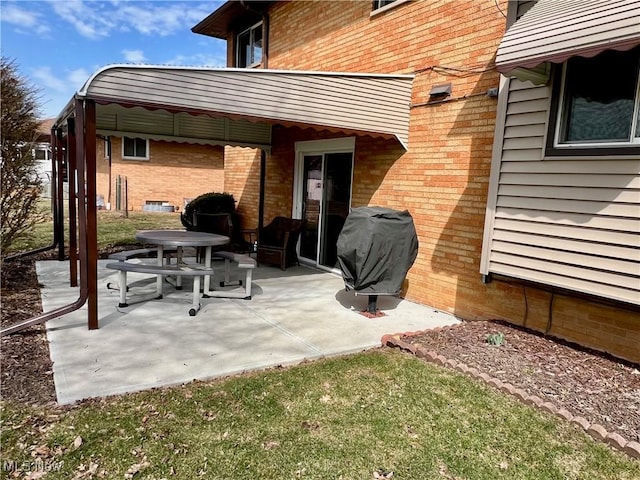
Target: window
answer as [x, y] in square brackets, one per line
[249, 49]
[107, 147]
[135, 148]
[598, 104]
[381, 5]
[41, 153]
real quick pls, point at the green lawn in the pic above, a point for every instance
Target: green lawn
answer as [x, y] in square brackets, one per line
[113, 229]
[355, 417]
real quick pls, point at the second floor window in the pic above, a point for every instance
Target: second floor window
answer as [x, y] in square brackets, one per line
[249, 49]
[135, 148]
[377, 4]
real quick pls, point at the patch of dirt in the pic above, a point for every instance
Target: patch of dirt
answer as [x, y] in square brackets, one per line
[26, 370]
[600, 388]
[25, 365]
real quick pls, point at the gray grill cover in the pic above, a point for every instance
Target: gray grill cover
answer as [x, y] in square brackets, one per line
[376, 249]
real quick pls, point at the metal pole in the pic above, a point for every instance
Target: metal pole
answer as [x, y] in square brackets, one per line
[75, 132]
[118, 192]
[263, 167]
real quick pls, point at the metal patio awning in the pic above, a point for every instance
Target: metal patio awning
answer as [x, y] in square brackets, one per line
[239, 106]
[556, 30]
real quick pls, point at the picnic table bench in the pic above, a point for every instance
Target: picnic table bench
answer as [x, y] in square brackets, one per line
[195, 271]
[244, 262]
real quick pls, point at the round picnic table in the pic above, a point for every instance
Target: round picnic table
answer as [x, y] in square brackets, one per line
[180, 239]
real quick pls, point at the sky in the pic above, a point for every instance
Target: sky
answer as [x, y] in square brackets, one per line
[57, 45]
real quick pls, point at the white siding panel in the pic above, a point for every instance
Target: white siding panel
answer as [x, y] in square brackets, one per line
[522, 155]
[524, 143]
[537, 130]
[598, 237]
[568, 179]
[597, 261]
[564, 270]
[628, 168]
[574, 219]
[569, 192]
[526, 119]
[530, 106]
[568, 245]
[571, 206]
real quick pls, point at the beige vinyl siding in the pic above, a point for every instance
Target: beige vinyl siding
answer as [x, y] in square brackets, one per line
[569, 223]
[374, 104]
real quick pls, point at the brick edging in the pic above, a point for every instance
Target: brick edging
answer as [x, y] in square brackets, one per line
[596, 431]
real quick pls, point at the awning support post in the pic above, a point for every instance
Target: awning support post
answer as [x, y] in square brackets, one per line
[263, 166]
[92, 209]
[72, 180]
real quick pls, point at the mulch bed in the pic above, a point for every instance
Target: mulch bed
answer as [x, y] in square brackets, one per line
[601, 389]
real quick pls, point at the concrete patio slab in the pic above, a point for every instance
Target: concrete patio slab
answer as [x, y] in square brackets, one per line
[296, 315]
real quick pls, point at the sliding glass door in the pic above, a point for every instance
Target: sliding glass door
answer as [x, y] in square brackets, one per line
[325, 181]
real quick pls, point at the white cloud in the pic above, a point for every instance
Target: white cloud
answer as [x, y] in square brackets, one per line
[76, 78]
[134, 56]
[84, 17]
[200, 59]
[97, 19]
[57, 90]
[26, 21]
[47, 79]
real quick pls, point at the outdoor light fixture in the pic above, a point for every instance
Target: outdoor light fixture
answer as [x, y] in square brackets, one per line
[438, 92]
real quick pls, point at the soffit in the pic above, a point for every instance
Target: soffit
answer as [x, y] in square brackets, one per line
[376, 105]
[230, 17]
[556, 30]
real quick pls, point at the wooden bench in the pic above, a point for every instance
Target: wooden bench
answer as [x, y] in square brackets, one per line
[195, 271]
[244, 262]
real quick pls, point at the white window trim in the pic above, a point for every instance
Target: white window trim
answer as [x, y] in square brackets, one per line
[124, 157]
[386, 8]
[635, 140]
[250, 30]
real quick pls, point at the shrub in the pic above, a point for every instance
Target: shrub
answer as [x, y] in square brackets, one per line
[212, 202]
[20, 185]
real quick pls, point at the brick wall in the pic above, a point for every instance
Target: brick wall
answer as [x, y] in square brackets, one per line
[443, 178]
[174, 171]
